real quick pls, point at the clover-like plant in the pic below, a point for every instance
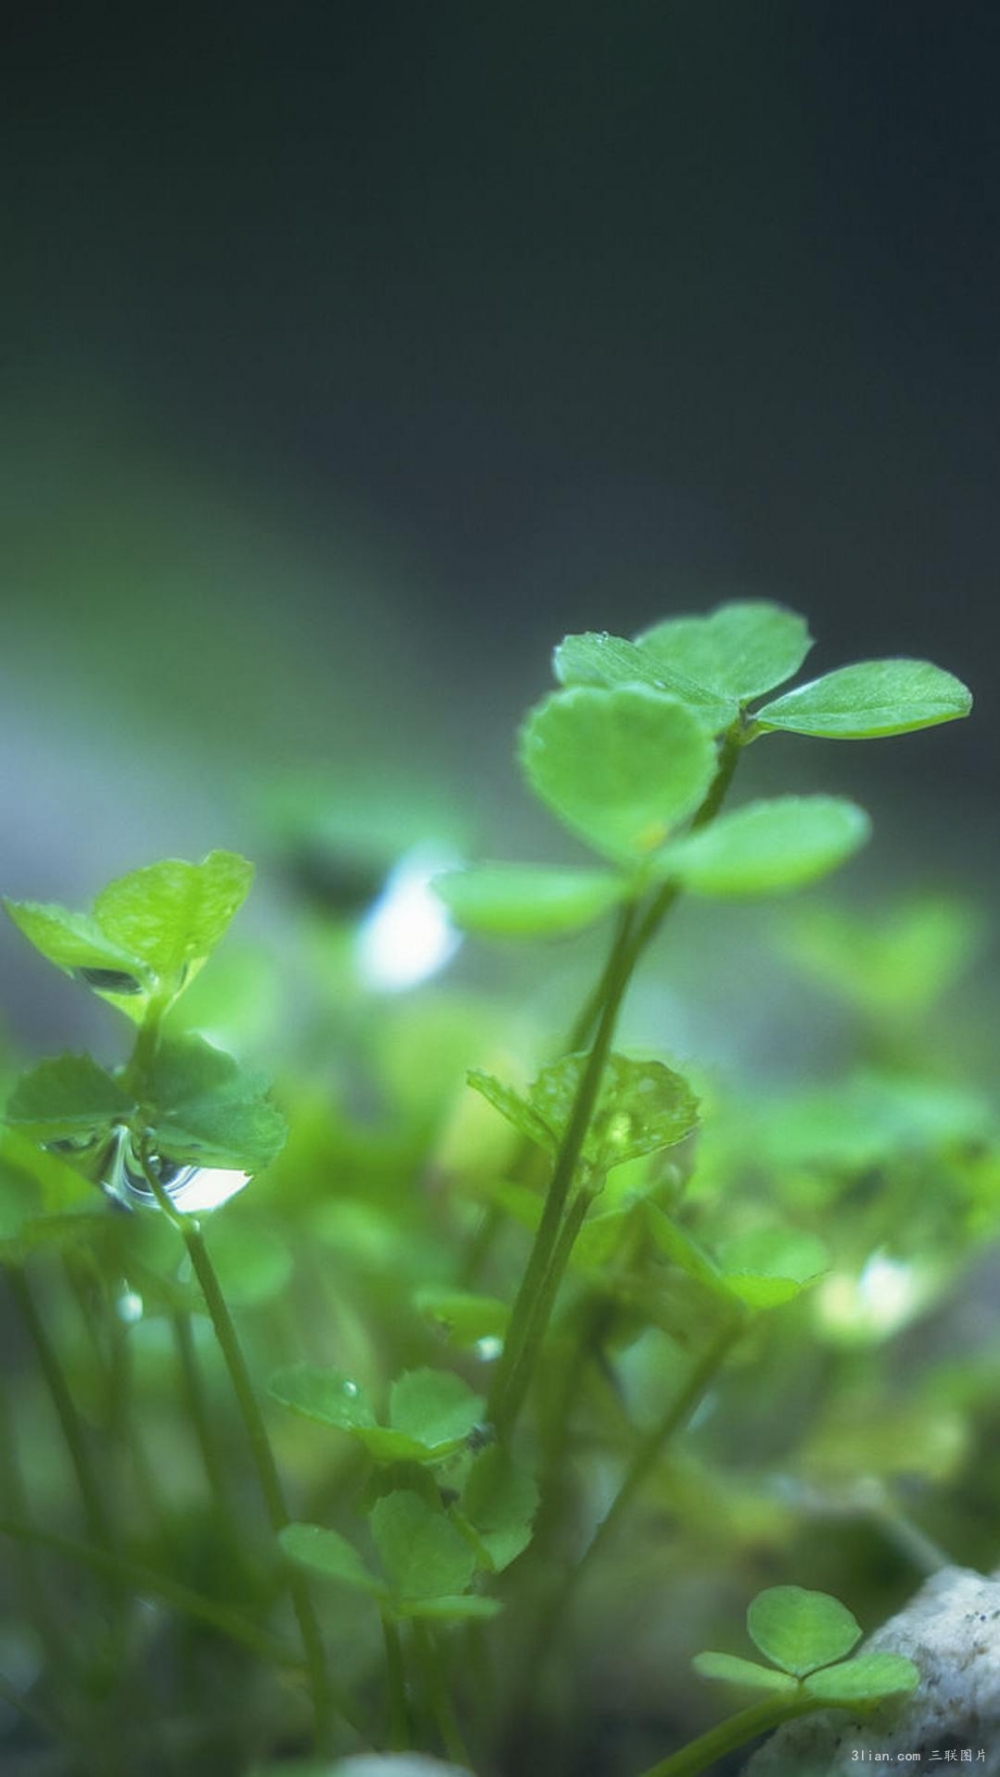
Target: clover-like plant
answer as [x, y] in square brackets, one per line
[807, 1637]
[582, 1240]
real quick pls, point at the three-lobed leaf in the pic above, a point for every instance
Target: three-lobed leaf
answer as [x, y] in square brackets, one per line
[620, 768]
[642, 1106]
[528, 900]
[768, 847]
[740, 650]
[799, 1630]
[869, 700]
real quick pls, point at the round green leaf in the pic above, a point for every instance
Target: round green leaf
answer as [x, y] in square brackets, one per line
[606, 660]
[421, 1552]
[732, 1670]
[768, 847]
[324, 1395]
[326, 1552]
[866, 1679]
[741, 649]
[620, 768]
[435, 1408]
[527, 900]
[873, 698]
[801, 1630]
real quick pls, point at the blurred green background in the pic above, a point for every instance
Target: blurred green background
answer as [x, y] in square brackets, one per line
[352, 355]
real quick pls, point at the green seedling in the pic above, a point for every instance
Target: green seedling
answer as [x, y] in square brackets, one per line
[485, 1337]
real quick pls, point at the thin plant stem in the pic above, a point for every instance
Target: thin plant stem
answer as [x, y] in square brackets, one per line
[748, 1724]
[15, 1504]
[544, 1303]
[194, 1392]
[652, 1446]
[71, 1425]
[501, 1408]
[436, 1684]
[648, 1452]
[632, 935]
[159, 1585]
[399, 1708]
[262, 1456]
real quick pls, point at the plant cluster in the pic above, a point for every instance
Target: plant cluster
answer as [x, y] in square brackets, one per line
[350, 1449]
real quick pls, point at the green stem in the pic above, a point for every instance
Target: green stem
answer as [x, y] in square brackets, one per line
[71, 1425]
[194, 1391]
[399, 1708]
[141, 1580]
[647, 1454]
[14, 1504]
[630, 941]
[652, 1446]
[542, 1307]
[438, 1696]
[264, 1462]
[748, 1724]
[499, 1410]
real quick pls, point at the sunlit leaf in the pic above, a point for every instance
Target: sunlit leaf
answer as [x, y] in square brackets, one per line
[621, 768]
[172, 914]
[865, 1679]
[768, 847]
[801, 1630]
[528, 900]
[76, 944]
[732, 1670]
[873, 698]
[608, 661]
[739, 650]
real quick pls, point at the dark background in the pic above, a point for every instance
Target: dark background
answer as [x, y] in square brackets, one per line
[354, 352]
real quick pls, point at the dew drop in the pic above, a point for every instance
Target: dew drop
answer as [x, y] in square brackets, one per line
[129, 1307]
[488, 1348]
[351, 1389]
